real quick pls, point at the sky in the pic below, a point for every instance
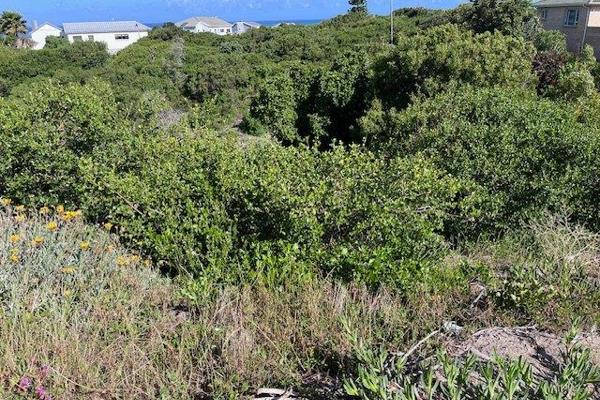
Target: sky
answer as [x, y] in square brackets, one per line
[154, 11]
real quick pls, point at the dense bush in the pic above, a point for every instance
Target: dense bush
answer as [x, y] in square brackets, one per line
[429, 62]
[510, 17]
[205, 202]
[524, 153]
[381, 199]
[47, 132]
[20, 66]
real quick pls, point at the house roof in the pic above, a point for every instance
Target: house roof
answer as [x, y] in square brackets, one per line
[44, 24]
[252, 24]
[104, 27]
[256, 24]
[562, 3]
[211, 22]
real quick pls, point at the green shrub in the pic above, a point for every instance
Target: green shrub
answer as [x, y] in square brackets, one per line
[275, 107]
[433, 60]
[510, 17]
[550, 41]
[18, 66]
[204, 202]
[524, 155]
[47, 132]
[574, 81]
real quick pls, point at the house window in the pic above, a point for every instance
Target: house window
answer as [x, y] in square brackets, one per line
[91, 38]
[543, 14]
[228, 30]
[572, 17]
[77, 38]
[122, 36]
[222, 30]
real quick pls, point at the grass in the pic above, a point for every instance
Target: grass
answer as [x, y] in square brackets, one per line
[105, 325]
[82, 317]
[73, 302]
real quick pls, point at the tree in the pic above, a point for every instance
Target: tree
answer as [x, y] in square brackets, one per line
[358, 6]
[53, 42]
[510, 17]
[430, 62]
[12, 23]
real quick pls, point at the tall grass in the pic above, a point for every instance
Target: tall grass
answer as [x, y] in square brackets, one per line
[82, 317]
[76, 305]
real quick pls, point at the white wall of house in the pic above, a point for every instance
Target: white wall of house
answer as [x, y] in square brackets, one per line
[114, 41]
[240, 27]
[39, 35]
[594, 20]
[222, 30]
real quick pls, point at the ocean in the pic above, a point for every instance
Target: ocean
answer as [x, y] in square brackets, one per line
[264, 23]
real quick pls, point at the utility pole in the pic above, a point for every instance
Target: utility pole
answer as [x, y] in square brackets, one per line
[392, 22]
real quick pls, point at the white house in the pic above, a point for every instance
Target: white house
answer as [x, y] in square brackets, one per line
[244, 26]
[116, 34]
[206, 24]
[284, 24]
[39, 34]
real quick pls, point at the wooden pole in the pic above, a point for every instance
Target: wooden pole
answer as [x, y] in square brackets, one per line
[392, 22]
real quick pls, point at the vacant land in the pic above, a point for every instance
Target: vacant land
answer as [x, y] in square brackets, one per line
[306, 211]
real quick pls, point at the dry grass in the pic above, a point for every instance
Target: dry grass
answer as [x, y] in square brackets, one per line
[105, 325]
[86, 319]
[74, 302]
[547, 274]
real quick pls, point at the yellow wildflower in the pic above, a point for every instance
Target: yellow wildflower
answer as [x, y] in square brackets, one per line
[68, 293]
[52, 226]
[20, 218]
[147, 263]
[15, 239]
[108, 226]
[68, 270]
[5, 202]
[122, 261]
[70, 215]
[60, 209]
[20, 209]
[14, 256]
[85, 245]
[135, 259]
[44, 211]
[37, 241]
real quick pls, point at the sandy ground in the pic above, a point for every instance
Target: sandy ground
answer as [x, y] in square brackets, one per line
[542, 350]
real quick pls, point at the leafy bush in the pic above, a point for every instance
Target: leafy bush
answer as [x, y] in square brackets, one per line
[205, 201]
[523, 154]
[432, 61]
[510, 17]
[574, 81]
[19, 66]
[275, 107]
[55, 42]
[47, 132]
[550, 41]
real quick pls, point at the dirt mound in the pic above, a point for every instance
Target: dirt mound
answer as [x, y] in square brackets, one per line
[544, 351]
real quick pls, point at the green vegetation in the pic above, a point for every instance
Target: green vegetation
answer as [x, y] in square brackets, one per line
[295, 207]
[12, 24]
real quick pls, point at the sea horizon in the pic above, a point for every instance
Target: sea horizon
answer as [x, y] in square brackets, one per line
[264, 23]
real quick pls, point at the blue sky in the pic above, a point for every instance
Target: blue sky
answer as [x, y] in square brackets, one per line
[59, 11]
